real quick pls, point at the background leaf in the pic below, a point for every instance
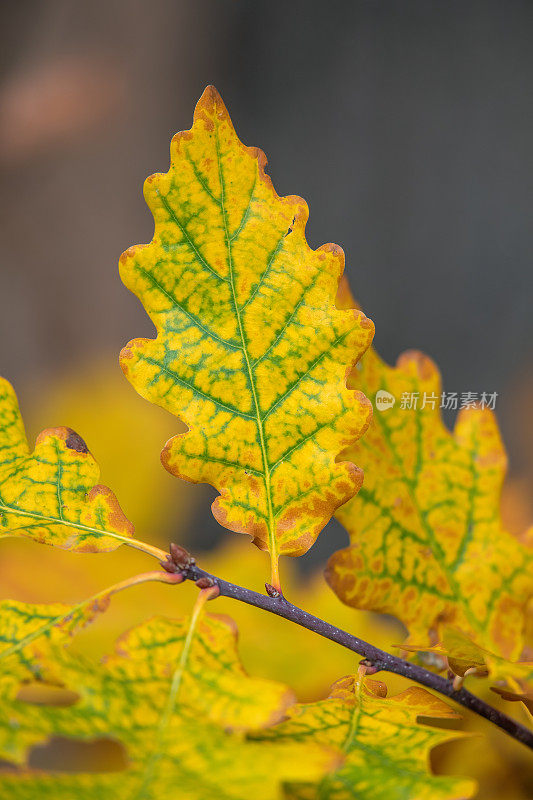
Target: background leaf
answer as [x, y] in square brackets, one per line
[427, 542]
[176, 696]
[385, 751]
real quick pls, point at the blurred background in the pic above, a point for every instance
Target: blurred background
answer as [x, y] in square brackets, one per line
[407, 127]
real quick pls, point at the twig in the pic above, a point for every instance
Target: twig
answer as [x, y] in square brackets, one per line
[374, 658]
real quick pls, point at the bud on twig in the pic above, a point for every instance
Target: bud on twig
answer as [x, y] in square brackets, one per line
[368, 667]
[180, 557]
[169, 565]
[210, 586]
[205, 583]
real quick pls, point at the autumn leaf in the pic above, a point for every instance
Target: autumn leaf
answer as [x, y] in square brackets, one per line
[251, 351]
[427, 542]
[384, 750]
[52, 495]
[463, 656]
[93, 397]
[494, 761]
[35, 634]
[174, 694]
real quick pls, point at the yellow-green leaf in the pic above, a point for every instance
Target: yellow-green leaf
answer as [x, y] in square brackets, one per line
[52, 495]
[251, 351]
[464, 657]
[383, 749]
[29, 635]
[427, 542]
[32, 647]
[174, 694]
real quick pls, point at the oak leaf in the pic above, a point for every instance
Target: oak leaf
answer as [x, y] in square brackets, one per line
[251, 351]
[495, 762]
[384, 750]
[174, 694]
[464, 657]
[124, 431]
[31, 640]
[52, 495]
[427, 541]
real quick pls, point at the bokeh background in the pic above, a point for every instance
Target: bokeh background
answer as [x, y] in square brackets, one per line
[407, 126]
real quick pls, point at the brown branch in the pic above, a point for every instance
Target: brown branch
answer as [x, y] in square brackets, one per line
[378, 660]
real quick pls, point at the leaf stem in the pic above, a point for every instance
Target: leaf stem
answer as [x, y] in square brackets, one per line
[274, 572]
[378, 659]
[137, 544]
[93, 601]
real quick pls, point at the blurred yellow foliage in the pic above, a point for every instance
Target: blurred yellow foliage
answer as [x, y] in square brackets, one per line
[98, 402]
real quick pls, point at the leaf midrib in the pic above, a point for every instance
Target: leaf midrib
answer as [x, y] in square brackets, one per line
[59, 521]
[351, 743]
[259, 421]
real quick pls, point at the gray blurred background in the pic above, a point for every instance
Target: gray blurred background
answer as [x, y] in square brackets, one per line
[407, 126]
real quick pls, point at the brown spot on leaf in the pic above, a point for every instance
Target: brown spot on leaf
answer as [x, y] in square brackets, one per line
[75, 442]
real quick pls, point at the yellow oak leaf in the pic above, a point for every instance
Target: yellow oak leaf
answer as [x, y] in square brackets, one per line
[176, 697]
[93, 397]
[499, 765]
[32, 641]
[427, 542]
[383, 749]
[464, 658]
[29, 634]
[52, 495]
[251, 351]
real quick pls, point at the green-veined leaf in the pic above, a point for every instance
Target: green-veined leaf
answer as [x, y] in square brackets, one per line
[52, 495]
[384, 750]
[427, 542]
[251, 351]
[174, 694]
